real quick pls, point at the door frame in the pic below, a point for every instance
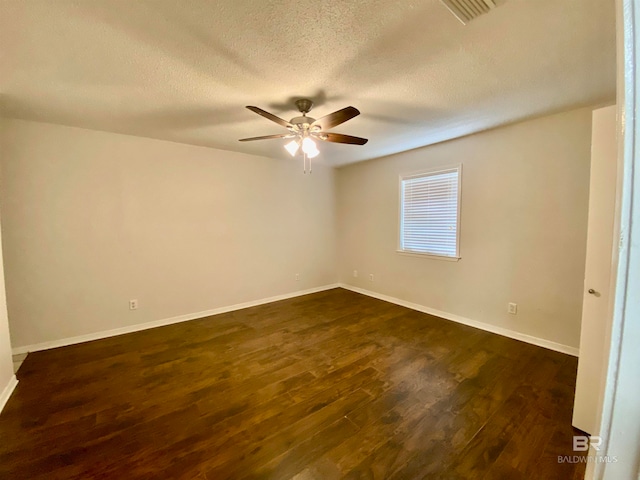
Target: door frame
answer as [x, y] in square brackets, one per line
[620, 416]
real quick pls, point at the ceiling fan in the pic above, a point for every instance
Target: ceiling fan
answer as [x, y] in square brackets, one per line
[304, 130]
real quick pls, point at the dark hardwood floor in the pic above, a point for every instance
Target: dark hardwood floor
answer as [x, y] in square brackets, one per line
[326, 386]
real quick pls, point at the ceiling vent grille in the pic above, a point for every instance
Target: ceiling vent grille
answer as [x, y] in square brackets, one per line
[467, 10]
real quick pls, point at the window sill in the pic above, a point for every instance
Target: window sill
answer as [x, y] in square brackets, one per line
[428, 255]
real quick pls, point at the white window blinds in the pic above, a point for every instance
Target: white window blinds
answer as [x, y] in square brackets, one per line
[429, 213]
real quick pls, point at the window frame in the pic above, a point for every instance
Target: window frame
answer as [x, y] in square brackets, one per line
[425, 173]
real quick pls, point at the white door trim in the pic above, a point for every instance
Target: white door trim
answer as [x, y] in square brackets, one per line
[620, 420]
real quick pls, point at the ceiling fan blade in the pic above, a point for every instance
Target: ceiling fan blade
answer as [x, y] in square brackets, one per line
[266, 137]
[340, 138]
[270, 116]
[336, 118]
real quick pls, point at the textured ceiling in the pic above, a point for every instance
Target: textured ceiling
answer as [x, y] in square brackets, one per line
[183, 70]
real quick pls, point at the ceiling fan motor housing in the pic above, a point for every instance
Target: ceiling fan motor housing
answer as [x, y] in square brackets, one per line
[300, 121]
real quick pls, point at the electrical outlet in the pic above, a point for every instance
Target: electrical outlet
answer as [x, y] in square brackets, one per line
[355, 274]
[512, 308]
[371, 277]
[133, 304]
[297, 277]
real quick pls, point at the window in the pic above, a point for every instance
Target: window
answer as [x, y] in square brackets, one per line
[430, 212]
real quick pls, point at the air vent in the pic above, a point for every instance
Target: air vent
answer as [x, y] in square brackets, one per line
[467, 10]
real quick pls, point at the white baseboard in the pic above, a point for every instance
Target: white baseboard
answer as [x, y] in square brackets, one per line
[160, 323]
[540, 342]
[8, 390]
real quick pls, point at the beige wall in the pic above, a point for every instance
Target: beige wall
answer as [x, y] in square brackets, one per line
[6, 364]
[93, 219]
[523, 227]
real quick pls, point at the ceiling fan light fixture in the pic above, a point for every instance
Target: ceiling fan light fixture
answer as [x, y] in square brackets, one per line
[313, 153]
[292, 147]
[309, 147]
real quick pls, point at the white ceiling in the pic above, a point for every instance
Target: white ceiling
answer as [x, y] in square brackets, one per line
[184, 70]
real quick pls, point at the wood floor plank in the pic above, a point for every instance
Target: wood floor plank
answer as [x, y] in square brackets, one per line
[324, 386]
